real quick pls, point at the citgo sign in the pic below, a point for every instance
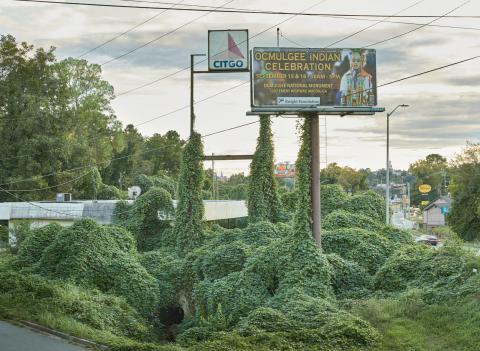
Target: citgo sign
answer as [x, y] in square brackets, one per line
[228, 50]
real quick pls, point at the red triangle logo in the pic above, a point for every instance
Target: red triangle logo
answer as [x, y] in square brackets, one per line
[233, 48]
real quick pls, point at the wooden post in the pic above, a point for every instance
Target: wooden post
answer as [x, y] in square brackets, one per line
[315, 178]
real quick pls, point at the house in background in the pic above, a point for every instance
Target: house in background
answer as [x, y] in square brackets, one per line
[434, 213]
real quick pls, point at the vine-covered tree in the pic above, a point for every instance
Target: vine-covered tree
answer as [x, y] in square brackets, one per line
[53, 116]
[189, 214]
[464, 216]
[303, 212]
[263, 198]
[432, 171]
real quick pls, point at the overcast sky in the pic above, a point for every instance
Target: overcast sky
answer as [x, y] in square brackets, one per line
[444, 111]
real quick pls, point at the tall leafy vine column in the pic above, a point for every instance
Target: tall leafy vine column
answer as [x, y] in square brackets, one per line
[263, 198]
[188, 226]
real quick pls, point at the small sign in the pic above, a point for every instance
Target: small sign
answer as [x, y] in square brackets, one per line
[424, 188]
[425, 203]
[228, 50]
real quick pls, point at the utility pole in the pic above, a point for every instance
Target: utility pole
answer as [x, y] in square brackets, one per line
[192, 102]
[387, 185]
[213, 176]
[409, 200]
[315, 178]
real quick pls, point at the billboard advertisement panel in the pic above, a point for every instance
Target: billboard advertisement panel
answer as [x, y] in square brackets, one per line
[228, 50]
[299, 77]
[285, 170]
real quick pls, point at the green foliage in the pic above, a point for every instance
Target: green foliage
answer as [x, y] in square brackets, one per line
[3, 235]
[219, 261]
[32, 247]
[189, 214]
[169, 271]
[95, 256]
[263, 198]
[464, 215]
[52, 106]
[147, 182]
[333, 197]
[343, 219]
[369, 249]
[403, 268]
[350, 179]
[397, 235]
[18, 232]
[264, 319]
[442, 274]
[289, 200]
[431, 171]
[349, 280]
[303, 211]
[149, 216]
[33, 298]
[408, 323]
[260, 233]
[369, 204]
[269, 273]
[91, 186]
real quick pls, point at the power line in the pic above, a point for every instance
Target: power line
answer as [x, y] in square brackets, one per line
[260, 12]
[246, 124]
[420, 27]
[204, 60]
[127, 31]
[339, 17]
[359, 31]
[154, 118]
[120, 157]
[163, 35]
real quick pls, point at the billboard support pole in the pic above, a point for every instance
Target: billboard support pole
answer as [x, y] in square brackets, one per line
[315, 178]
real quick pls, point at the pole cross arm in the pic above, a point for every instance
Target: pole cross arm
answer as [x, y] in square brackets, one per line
[227, 157]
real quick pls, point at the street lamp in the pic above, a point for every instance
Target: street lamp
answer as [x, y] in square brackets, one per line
[387, 192]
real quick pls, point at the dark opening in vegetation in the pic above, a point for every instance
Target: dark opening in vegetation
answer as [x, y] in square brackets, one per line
[170, 317]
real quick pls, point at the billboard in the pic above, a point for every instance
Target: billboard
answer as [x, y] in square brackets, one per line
[285, 170]
[228, 50]
[300, 77]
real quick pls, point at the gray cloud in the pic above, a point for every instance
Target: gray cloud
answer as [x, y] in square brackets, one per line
[437, 121]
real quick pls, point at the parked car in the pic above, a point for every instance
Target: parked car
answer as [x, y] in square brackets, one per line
[428, 240]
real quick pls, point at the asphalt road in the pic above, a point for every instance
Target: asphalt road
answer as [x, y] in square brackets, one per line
[14, 338]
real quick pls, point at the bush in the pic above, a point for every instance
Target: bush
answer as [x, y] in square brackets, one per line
[264, 319]
[37, 297]
[3, 236]
[369, 249]
[169, 271]
[397, 235]
[147, 182]
[91, 255]
[343, 219]
[333, 197]
[238, 293]
[403, 268]
[144, 218]
[349, 280]
[36, 242]
[220, 261]
[369, 204]
[260, 233]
